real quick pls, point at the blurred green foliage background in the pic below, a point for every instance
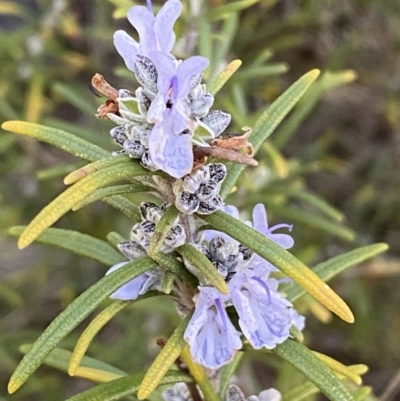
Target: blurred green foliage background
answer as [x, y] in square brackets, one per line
[332, 168]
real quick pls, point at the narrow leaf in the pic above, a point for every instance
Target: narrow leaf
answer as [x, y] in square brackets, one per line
[96, 375]
[338, 367]
[61, 139]
[205, 267]
[75, 194]
[220, 80]
[91, 168]
[223, 11]
[268, 121]
[125, 206]
[76, 242]
[60, 359]
[333, 267]
[78, 310]
[162, 230]
[91, 331]
[283, 260]
[125, 386]
[316, 371]
[115, 238]
[200, 376]
[164, 360]
[100, 194]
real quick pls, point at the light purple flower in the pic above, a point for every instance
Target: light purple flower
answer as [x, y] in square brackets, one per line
[132, 289]
[260, 224]
[265, 317]
[212, 338]
[170, 141]
[155, 32]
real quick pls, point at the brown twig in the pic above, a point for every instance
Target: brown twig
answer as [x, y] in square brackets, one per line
[223, 153]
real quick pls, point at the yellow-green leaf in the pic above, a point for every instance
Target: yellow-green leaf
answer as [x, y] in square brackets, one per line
[81, 244]
[220, 80]
[315, 370]
[338, 367]
[103, 193]
[90, 332]
[91, 168]
[78, 310]
[267, 123]
[332, 267]
[283, 260]
[125, 386]
[75, 194]
[164, 360]
[61, 139]
[60, 359]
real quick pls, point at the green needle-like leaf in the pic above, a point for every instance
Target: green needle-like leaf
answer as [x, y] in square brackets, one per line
[125, 386]
[90, 332]
[60, 359]
[76, 242]
[267, 123]
[316, 371]
[125, 206]
[78, 310]
[220, 80]
[223, 11]
[75, 194]
[205, 267]
[164, 360]
[283, 260]
[333, 267]
[91, 168]
[61, 139]
[103, 193]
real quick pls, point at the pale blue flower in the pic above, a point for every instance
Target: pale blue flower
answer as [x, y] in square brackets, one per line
[170, 141]
[155, 32]
[212, 338]
[137, 286]
[265, 317]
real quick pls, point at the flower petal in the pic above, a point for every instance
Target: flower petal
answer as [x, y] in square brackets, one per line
[164, 24]
[142, 19]
[171, 153]
[127, 48]
[130, 290]
[186, 70]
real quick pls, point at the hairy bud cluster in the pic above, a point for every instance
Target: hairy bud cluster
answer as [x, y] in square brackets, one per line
[198, 192]
[228, 257]
[142, 232]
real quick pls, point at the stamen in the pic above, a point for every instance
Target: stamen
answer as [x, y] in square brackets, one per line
[265, 286]
[150, 6]
[278, 226]
[221, 313]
